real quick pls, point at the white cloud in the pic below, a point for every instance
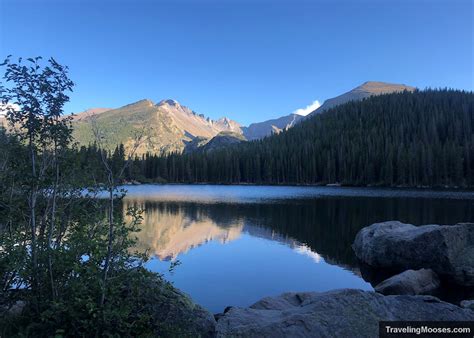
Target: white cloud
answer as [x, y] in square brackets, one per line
[4, 108]
[309, 109]
[305, 251]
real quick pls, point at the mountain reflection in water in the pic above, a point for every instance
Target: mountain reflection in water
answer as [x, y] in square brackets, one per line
[311, 227]
[170, 229]
[235, 253]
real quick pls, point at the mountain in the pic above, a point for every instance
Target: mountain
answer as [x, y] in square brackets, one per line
[259, 130]
[412, 139]
[164, 127]
[195, 144]
[89, 113]
[226, 124]
[194, 124]
[363, 91]
[222, 140]
[169, 126]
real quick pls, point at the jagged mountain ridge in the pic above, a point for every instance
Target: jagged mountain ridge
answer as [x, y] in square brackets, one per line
[164, 127]
[169, 126]
[174, 128]
[196, 124]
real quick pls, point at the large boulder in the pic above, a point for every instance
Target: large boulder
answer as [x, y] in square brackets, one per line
[181, 316]
[173, 313]
[446, 249]
[339, 313]
[410, 282]
[468, 304]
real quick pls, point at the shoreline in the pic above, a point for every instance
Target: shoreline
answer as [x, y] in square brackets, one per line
[316, 185]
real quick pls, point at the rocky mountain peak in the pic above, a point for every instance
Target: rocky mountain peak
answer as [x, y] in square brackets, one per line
[169, 102]
[171, 126]
[226, 124]
[367, 89]
[378, 87]
[224, 120]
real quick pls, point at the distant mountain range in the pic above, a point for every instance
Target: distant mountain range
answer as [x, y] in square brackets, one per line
[169, 126]
[259, 130]
[163, 127]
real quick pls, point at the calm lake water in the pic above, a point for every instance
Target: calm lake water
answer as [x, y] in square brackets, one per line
[237, 244]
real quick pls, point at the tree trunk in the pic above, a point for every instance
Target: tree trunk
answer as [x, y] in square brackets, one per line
[110, 238]
[52, 225]
[32, 206]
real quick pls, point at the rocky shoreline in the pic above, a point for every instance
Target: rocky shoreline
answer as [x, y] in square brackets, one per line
[419, 264]
[428, 259]
[338, 313]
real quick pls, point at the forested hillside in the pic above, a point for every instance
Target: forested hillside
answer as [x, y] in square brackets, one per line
[424, 138]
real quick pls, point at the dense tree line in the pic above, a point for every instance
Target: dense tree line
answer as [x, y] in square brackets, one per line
[424, 138]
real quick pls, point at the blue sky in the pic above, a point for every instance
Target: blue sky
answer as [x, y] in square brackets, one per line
[248, 60]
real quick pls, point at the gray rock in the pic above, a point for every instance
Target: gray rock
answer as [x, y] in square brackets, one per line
[175, 308]
[340, 313]
[468, 304]
[410, 282]
[173, 313]
[446, 249]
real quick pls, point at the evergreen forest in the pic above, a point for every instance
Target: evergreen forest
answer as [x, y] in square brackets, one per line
[419, 139]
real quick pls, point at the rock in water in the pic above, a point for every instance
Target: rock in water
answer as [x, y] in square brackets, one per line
[446, 249]
[410, 282]
[340, 313]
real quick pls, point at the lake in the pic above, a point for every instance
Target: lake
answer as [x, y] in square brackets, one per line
[233, 245]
